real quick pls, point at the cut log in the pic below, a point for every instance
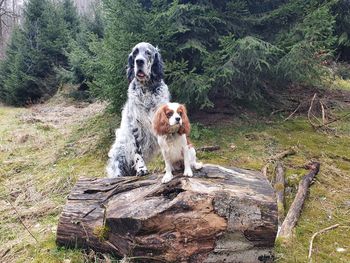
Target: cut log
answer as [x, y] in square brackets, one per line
[279, 188]
[295, 209]
[219, 215]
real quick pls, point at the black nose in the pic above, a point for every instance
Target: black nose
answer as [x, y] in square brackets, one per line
[177, 119]
[140, 62]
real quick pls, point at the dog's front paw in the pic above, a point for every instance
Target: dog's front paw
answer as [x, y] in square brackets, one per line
[188, 173]
[142, 171]
[167, 178]
[198, 166]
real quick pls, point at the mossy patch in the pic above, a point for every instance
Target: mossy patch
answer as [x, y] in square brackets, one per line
[42, 171]
[101, 232]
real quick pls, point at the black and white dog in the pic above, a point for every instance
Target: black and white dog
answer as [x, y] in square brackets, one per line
[135, 143]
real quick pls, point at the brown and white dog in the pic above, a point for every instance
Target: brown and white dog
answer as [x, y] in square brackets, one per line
[172, 128]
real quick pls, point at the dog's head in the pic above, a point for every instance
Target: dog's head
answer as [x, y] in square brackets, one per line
[170, 116]
[145, 63]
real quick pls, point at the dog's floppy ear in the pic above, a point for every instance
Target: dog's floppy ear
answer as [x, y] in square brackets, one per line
[157, 67]
[130, 70]
[161, 124]
[185, 128]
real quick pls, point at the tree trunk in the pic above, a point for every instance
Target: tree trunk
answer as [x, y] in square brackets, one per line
[219, 215]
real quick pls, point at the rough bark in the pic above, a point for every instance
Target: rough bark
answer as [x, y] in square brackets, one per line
[219, 215]
[279, 188]
[295, 209]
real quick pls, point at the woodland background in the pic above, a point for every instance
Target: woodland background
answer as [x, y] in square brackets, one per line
[243, 50]
[259, 78]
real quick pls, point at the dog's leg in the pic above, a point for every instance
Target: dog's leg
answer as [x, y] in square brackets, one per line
[193, 159]
[187, 156]
[168, 176]
[117, 164]
[140, 165]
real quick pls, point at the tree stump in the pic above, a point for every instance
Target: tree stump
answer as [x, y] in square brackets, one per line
[219, 215]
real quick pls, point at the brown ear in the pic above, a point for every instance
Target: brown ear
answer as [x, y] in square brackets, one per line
[186, 126]
[160, 121]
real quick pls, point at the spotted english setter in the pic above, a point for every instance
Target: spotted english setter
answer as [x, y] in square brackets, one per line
[135, 144]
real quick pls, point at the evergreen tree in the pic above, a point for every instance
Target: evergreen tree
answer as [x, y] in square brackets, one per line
[33, 53]
[71, 17]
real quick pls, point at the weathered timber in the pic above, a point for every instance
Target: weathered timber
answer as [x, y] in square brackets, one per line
[279, 188]
[295, 209]
[219, 215]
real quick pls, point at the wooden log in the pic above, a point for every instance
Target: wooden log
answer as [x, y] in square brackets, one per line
[219, 215]
[295, 209]
[279, 188]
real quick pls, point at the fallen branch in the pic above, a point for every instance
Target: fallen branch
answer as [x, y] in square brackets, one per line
[264, 170]
[332, 121]
[281, 155]
[277, 157]
[323, 113]
[210, 148]
[291, 115]
[20, 220]
[279, 189]
[317, 233]
[295, 209]
[309, 111]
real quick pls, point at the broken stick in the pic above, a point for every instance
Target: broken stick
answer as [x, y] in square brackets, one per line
[283, 154]
[277, 157]
[317, 233]
[279, 189]
[210, 148]
[295, 209]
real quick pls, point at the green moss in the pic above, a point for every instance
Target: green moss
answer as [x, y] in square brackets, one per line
[101, 232]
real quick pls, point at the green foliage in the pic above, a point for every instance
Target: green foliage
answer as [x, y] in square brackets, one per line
[235, 48]
[238, 48]
[245, 66]
[34, 51]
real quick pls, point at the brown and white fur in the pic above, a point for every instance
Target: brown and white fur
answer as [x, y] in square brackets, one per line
[172, 128]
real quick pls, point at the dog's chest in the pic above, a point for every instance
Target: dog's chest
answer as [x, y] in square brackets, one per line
[175, 147]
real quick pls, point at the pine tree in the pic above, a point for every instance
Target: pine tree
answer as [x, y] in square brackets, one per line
[71, 17]
[33, 53]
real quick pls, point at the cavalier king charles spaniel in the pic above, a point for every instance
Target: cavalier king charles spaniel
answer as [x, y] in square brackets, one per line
[172, 128]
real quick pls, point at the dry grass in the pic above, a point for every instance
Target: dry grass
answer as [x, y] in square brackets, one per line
[45, 149]
[41, 158]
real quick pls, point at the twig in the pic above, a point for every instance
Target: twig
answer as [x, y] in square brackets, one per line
[332, 121]
[317, 233]
[283, 154]
[277, 157]
[264, 169]
[210, 148]
[19, 218]
[291, 115]
[309, 111]
[323, 113]
[295, 209]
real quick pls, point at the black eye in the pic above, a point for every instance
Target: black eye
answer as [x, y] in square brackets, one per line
[180, 113]
[136, 51]
[148, 53]
[169, 114]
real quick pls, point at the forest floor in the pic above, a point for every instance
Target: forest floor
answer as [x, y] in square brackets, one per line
[46, 148]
